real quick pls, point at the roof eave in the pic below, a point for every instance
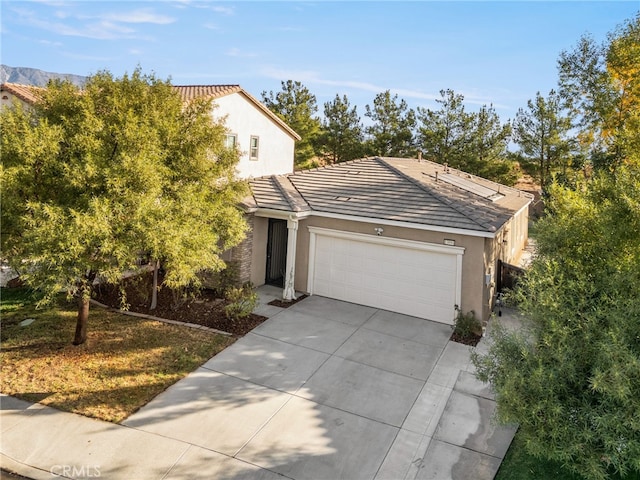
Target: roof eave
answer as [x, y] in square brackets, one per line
[15, 90]
[273, 213]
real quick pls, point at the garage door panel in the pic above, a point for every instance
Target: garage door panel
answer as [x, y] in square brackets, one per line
[412, 281]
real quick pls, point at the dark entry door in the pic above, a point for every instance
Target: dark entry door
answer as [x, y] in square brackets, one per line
[276, 252]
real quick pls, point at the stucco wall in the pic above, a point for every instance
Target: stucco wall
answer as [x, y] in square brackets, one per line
[243, 118]
[10, 100]
[472, 260]
[507, 246]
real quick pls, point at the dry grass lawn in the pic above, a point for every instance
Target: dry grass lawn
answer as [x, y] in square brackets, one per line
[125, 362]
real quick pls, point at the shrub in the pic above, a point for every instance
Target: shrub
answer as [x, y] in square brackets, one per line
[222, 281]
[242, 301]
[466, 326]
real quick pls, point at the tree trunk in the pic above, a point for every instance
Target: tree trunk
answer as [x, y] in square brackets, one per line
[84, 297]
[83, 317]
[154, 293]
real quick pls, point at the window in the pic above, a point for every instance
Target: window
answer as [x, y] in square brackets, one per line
[231, 141]
[253, 148]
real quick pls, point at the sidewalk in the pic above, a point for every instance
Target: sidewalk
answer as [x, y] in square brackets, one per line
[41, 443]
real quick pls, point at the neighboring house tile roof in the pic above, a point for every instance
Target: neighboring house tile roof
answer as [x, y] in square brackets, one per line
[397, 189]
[26, 93]
[190, 92]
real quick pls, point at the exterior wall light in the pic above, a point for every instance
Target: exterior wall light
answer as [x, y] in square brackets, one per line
[378, 230]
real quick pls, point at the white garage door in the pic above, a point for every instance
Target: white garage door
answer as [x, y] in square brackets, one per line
[413, 278]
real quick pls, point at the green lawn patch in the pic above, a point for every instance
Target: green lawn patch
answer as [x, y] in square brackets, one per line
[125, 362]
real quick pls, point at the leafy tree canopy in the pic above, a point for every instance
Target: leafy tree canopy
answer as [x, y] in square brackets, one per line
[297, 107]
[541, 131]
[600, 86]
[391, 134]
[571, 379]
[475, 142]
[342, 136]
[93, 179]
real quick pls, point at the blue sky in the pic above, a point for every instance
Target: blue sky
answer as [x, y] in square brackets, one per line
[498, 53]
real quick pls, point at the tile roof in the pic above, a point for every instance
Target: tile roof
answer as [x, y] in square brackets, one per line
[187, 93]
[190, 92]
[26, 93]
[397, 189]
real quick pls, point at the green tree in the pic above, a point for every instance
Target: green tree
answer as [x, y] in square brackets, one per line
[342, 136]
[93, 179]
[541, 133]
[444, 134]
[297, 107]
[600, 86]
[569, 378]
[392, 132]
[487, 154]
[474, 142]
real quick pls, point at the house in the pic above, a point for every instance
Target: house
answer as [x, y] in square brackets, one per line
[405, 235]
[265, 142]
[12, 92]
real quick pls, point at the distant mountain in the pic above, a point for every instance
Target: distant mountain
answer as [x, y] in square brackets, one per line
[33, 76]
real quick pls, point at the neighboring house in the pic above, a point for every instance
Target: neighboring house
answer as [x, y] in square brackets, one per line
[404, 235]
[12, 92]
[265, 142]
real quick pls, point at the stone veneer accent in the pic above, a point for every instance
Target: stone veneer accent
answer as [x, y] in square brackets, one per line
[242, 253]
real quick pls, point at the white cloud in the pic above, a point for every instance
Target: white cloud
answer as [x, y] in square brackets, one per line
[104, 30]
[236, 52]
[181, 4]
[310, 77]
[211, 26]
[50, 43]
[61, 15]
[102, 26]
[136, 16]
[223, 10]
[53, 3]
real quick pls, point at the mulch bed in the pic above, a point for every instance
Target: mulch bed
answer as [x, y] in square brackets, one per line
[204, 308]
[472, 341]
[286, 303]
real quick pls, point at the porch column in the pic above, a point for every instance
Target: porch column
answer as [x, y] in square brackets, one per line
[289, 292]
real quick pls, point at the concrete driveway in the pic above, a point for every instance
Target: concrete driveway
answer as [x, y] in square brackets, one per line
[332, 390]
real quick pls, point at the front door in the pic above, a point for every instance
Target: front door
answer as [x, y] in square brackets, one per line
[276, 252]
